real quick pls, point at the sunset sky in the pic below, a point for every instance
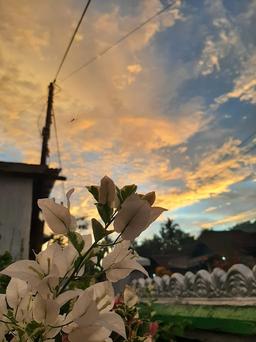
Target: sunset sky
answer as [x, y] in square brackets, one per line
[171, 108]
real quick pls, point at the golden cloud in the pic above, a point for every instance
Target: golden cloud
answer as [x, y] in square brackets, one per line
[240, 217]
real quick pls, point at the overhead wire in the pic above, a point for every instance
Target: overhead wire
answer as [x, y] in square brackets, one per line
[54, 82]
[72, 39]
[103, 52]
[247, 139]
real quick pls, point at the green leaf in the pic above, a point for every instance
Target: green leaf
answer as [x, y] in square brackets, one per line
[78, 261]
[98, 230]
[127, 191]
[76, 241]
[105, 212]
[34, 329]
[94, 190]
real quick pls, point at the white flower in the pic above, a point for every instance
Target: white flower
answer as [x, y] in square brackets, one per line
[90, 319]
[27, 270]
[136, 215]
[3, 311]
[15, 291]
[130, 297]
[19, 298]
[121, 262]
[58, 217]
[3, 306]
[46, 312]
[107, 192]
[42, 274]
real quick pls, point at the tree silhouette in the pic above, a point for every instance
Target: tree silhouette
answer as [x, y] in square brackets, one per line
[170, 238]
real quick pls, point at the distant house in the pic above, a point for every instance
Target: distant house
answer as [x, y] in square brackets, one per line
[211, 249]
[231, 246]
[21, 230]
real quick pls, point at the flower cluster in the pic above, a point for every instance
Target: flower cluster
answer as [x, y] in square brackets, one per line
[66, 293]
[140, 324]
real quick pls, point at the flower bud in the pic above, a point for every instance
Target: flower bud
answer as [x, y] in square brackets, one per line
[153, 327]
[107, 192]
[150, 197]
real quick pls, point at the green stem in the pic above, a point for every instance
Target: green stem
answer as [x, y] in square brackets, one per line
[76, 269]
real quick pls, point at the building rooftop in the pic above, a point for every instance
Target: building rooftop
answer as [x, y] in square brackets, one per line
[28, 170]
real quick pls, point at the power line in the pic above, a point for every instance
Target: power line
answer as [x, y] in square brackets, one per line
[103, 52]
[247, 139]
[72, 39]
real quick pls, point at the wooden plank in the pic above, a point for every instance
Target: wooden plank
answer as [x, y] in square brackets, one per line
[15, 215]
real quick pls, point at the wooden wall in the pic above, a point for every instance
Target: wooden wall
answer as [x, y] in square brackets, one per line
[15, 215]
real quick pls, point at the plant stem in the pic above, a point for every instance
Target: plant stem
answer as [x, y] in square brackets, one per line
[76, 269]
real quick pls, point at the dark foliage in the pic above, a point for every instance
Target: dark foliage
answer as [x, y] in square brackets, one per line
[170, 237]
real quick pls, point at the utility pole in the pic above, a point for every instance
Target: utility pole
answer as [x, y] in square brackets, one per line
[46, 129]
[37, 231]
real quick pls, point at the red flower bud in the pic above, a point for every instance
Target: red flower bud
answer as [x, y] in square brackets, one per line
[153, 327]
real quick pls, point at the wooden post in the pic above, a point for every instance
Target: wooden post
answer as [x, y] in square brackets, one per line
[46, 129]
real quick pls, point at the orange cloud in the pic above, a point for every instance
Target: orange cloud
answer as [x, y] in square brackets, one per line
[240, 217]
[214, 175]
[244, 84]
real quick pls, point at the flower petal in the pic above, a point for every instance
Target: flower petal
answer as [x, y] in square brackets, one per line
[130, 297]
[121, 262]
[103, 295]
[155, 212]
[107, 192]
[133, 217]
[15, 291]
[113, 322]
[56, 215]
[27, 270]
[3, 306]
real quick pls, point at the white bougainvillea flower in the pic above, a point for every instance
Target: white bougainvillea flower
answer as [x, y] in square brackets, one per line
[121, 262]
[3, 311]
[130, 296]
[30, 272]
[90, 319]
[107, 192]
[66, 296]
[3, 306]
[58, 217]
[15, 291]
[24, 309]
[46, 312]
[103, 295]
[51, 259]
[70, 254]
[27, 270]
[42, 274]
[18, 297]
[135, 216]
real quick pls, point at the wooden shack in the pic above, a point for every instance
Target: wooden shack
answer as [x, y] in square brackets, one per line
[21, 185]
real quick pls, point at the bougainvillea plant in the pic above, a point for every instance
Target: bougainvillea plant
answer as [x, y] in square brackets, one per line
[140, 324]
[66, 293]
